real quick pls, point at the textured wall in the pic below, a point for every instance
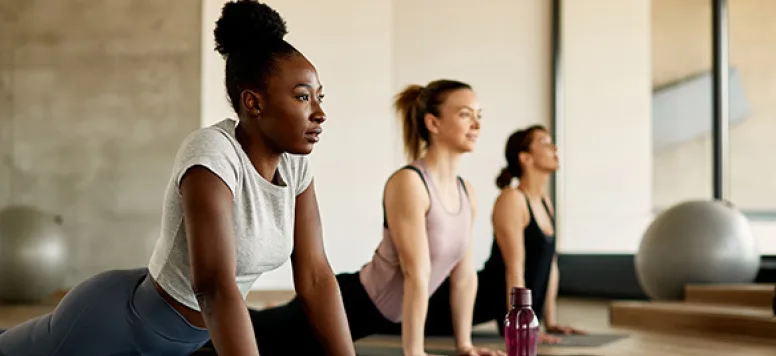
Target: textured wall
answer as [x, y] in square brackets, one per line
[95, 97]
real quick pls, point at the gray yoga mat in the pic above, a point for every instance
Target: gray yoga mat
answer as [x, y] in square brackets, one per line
[590, 340]
[372, 350]
[363, 350]
[368, 350]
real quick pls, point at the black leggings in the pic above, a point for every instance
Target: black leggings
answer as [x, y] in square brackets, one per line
[489, 305]
[285, 329]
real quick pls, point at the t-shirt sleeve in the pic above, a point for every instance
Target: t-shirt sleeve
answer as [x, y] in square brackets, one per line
[210, 149]
[303, 175]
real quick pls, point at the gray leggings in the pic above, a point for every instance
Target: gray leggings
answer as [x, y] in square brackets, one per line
[114, 313]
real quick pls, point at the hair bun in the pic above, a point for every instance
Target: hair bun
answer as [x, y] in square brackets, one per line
[246, 24]
[504, 178]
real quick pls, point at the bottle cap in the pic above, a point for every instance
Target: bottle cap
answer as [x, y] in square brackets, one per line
[521, 296]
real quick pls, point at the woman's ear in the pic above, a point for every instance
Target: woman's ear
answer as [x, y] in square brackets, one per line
[432, 123]
[524, 158]
[252, 102]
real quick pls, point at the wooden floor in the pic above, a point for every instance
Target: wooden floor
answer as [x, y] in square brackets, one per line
[592, 315]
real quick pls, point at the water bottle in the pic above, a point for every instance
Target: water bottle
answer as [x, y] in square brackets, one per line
[521, 326]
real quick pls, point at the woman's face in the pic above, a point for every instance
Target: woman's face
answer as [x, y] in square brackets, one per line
[291, 108]
[458, 124]
[543, 153]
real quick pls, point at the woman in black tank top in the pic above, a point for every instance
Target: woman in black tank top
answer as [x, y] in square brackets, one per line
[523, 252]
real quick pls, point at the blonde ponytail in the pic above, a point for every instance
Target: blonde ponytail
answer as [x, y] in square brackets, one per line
[415, 133]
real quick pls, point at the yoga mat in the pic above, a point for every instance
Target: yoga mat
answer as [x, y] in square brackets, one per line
[397, 351]
[370, 350]
[361, 350]
[590, 340]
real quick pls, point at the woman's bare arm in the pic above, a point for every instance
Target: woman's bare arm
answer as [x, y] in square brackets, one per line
[510, 217]
[550, 318]
[463, 288]
[314, 279]
[406, 204]
[207, 206]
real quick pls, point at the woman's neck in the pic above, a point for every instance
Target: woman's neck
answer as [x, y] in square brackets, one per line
[534, 184]
[442, 165]
[264, 159]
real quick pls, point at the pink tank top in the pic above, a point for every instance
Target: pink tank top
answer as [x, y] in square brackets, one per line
[448, 237]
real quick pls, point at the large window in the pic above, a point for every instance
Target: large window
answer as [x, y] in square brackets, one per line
[683, 74]
[681, 101]
[752, 54]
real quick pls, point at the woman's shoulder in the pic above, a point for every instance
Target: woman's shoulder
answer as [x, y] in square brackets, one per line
[297, 169]
[406, 186]
[214, 139]
[510, 198]
[209, 147]
[409, 176]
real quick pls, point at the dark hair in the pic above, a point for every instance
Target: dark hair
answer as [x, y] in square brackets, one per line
[413, 103]
[249, 35]
[518, 142]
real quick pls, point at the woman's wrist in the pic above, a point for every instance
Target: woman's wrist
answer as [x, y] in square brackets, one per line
[415, 351]
[464, 347]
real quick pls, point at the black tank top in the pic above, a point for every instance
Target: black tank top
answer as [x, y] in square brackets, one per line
[539, 253]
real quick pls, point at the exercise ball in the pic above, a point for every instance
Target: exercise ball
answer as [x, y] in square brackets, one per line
[32, 254]
[696, 242]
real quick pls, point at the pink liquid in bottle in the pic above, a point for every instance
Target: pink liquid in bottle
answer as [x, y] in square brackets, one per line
[521, 326]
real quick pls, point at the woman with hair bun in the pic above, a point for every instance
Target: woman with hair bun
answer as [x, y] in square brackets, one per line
[523, 252]
[240, 201]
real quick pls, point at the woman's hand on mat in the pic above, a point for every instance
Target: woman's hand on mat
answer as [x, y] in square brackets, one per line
[480, 351]
[565, 330]
[545, 338]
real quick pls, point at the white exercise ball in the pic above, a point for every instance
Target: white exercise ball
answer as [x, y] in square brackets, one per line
[32, 254]
[696, 242]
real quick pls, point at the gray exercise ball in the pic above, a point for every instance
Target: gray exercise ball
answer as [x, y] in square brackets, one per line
[696, 242]
[32, 254]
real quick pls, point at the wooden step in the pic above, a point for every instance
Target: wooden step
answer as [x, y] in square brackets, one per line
[684, 317]
[747, 295]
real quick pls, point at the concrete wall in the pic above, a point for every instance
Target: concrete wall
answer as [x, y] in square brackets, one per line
[501, 47]
[681, 47]
[7, 23]
[95, 98]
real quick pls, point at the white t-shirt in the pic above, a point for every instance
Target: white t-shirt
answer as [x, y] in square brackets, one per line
[263, 212]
